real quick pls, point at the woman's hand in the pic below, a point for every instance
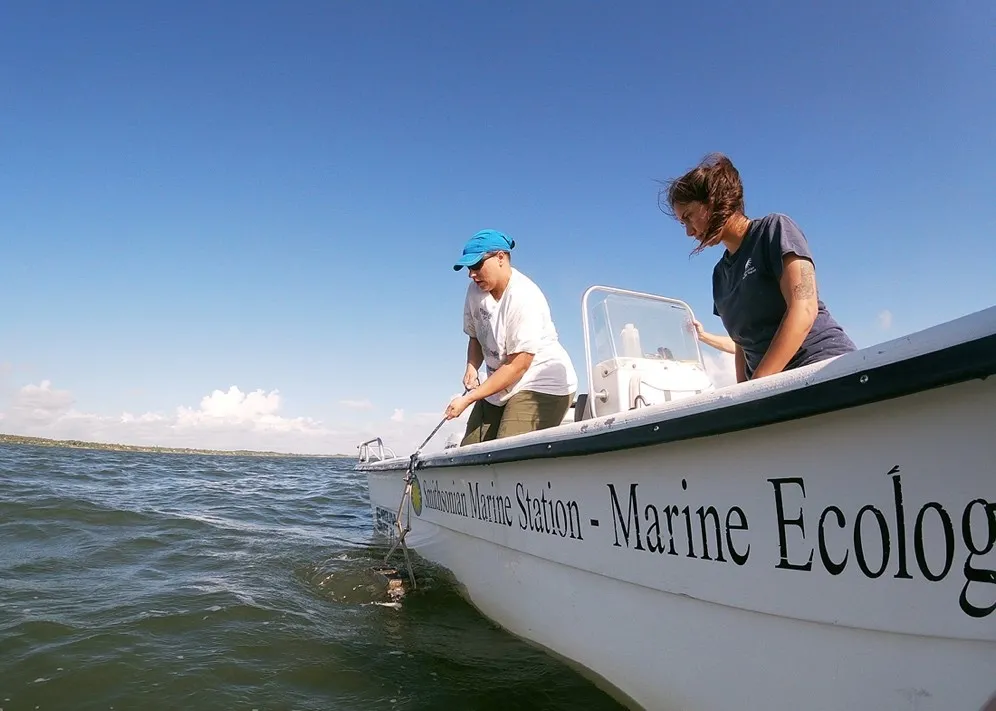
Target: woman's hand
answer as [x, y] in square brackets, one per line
[720, 343]
[457, 406]
[470, 380]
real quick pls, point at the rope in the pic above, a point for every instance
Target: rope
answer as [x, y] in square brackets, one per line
[402, 532]
[406, 497]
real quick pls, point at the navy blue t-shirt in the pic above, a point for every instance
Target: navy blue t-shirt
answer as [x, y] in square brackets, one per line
[746, 295]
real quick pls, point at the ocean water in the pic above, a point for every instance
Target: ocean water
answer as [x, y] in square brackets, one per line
[162, 581]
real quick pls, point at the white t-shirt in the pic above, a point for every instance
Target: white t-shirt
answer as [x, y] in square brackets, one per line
[519, 322]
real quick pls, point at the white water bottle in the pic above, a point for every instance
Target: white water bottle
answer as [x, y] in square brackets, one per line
[631, 342]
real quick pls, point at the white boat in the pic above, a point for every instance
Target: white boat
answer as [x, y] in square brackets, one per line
[819, 539]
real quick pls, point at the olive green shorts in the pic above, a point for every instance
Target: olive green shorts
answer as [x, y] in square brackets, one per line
[526, 411]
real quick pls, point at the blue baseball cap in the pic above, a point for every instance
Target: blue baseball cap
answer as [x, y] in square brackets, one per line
[484, 242]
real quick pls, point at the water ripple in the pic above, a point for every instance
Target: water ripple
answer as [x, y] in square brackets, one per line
[185, 581]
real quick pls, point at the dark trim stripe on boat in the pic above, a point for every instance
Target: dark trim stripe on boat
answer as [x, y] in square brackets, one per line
[955, 364]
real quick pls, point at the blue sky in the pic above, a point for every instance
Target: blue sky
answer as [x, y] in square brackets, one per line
[195, 196]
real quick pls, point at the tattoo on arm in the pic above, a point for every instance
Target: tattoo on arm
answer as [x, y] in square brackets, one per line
[805, 288]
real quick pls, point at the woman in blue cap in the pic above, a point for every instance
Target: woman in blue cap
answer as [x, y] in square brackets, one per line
[530, 378]
[764, 285]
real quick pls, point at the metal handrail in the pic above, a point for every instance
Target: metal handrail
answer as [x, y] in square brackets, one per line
[367, 453]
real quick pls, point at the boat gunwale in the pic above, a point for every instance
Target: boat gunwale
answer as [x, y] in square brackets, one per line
[733, 409]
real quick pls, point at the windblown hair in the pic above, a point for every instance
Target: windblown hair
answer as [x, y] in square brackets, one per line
[714, 182]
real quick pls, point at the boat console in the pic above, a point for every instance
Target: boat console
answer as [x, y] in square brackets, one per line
[640, 350]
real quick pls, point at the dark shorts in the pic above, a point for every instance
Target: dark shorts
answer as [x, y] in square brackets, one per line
[526, 411]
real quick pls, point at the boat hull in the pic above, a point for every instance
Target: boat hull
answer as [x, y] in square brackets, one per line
[843, 560]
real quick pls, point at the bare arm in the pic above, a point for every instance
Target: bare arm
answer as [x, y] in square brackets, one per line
[721, 343]
[741, 364]
[475, 356]
[798, 286]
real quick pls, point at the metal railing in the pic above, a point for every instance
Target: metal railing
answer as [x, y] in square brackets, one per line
[371, 453]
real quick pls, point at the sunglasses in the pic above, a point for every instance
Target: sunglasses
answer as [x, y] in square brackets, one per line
[477, 267]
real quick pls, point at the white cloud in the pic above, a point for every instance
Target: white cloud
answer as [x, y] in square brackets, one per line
[40, 403]
[885, 319]
[721, 367]
[230, 419]
[357, 404]
[235, 407]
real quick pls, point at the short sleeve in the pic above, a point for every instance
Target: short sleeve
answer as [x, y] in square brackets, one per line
[524, 326]
[783, 236]
[468, 318]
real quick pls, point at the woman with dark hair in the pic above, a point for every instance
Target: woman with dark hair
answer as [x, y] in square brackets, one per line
[764, 285]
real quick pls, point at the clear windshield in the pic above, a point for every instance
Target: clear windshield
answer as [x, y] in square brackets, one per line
[622, 323]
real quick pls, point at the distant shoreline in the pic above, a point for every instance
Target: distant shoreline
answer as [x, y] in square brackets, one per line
[110, 447]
